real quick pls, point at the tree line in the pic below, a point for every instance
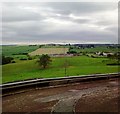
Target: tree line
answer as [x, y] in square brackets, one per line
[6, 60]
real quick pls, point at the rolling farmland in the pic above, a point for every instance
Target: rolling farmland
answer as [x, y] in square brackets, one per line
[29, 69]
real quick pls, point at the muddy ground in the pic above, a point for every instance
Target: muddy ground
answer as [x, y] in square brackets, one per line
[96, 96]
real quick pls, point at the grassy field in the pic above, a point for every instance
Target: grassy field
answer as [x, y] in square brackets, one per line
[80, 65]
[41, 51]
[17, 51]
[96, 49]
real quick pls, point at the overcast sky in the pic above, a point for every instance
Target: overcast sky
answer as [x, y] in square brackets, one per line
[70, 22]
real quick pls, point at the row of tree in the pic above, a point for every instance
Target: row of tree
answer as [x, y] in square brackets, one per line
[114, 56]
[6, 60]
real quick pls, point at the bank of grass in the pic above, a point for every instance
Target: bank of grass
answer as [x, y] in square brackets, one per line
[81, 65]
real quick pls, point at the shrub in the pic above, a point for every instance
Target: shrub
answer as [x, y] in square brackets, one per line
[29, 58]
[72, 52]
[6, 60]
[13, 62]
[23, 59]
[93, 56]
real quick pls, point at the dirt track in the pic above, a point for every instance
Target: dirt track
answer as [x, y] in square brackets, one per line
[98, 96]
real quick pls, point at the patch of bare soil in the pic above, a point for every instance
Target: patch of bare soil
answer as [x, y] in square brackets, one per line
[97, 96]
[100, 101]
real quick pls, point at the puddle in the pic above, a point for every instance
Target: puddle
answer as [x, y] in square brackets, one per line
[55, 97]
[69, 94]
[67, 105]
[67, 100]
[74, 90]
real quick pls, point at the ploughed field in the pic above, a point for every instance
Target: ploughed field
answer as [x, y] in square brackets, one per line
[76, 65]
[41, 51]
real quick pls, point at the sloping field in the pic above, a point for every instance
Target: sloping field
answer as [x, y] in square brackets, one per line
[77, 66]
[41, 51]
[17, 49]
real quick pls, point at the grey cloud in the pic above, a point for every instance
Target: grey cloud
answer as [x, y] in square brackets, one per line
[14, 13]
[26, 25]
[65, 35]
[81, 20]
[113, 29]
[81, 7]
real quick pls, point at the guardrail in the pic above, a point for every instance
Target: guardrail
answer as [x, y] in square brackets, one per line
[14, 87]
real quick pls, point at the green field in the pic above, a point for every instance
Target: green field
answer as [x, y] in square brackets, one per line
[80, 65]
[17, 51]
[96, 49]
